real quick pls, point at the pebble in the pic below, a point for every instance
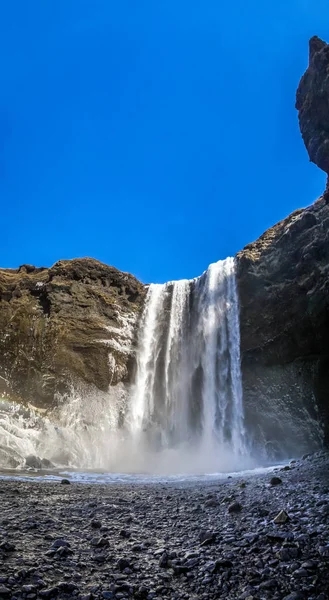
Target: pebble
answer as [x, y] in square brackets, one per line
[168, 541]
[275, 481]
[281, 518]
[235, 507]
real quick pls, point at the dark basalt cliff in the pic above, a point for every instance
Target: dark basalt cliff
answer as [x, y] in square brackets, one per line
[283, 282]
[312, 103]
[72, 322]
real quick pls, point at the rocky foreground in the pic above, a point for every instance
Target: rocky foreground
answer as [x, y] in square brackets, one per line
[218, 540]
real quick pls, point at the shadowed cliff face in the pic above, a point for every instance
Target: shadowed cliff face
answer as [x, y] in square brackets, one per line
[74, 321]
[312, 103]
[283, 282]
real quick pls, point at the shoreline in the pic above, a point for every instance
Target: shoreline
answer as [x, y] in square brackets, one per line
[169, 540]
[103, 477]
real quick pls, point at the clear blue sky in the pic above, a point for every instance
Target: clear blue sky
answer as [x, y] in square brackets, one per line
[155, 135]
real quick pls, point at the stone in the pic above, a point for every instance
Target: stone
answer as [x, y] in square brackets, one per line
[281, 518]
[49, 593]
[47, 464]
[268, 585]
[163, 562]
[68, 587]
[211, 502]
[100, 542]
[33, 462]
[7, 546]
[60, 543]
[275, 481]
[28, 589]
[65, 482]
[123, 564]
[96, 524]
[223, 563]
[207, 537]
[235, 507]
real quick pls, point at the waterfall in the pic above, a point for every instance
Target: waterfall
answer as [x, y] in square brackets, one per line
[188, 391]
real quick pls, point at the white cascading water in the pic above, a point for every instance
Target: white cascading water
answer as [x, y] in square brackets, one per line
[183, 414]
[188, 395]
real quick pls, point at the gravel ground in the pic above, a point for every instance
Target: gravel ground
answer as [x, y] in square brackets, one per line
[216, 540]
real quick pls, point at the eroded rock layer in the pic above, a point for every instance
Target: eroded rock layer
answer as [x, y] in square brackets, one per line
[73, 321]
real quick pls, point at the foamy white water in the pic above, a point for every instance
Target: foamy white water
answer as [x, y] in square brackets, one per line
[188, 394]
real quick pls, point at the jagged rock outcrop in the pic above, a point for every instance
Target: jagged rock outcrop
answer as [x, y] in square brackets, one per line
[312, 103]
[72, 322]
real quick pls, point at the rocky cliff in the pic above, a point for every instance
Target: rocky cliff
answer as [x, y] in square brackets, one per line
[312, 103]
[283, 281]
[72, 322]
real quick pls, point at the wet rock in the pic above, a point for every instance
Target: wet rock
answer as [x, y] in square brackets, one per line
[4, 592]
[207, 537]
[67, 587]
[123, 563]
[270, 584]
[275, 481]
[191, 563]
[49, 593]
[163, 562]
[29, 589]
[281, 518]
[287, 554]
[47, 464]
[211, 502]
[235, 507]
[124, 533]
[100, 542]
[309, 564]
[65, 482]
[180, 570]
[223, 563]
[60, 543]
[7, 546]
[96, 524]
[33, 462]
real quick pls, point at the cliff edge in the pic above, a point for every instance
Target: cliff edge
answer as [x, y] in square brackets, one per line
[72, 322]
